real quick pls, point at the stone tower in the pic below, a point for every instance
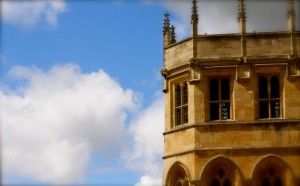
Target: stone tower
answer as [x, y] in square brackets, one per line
[232, 106]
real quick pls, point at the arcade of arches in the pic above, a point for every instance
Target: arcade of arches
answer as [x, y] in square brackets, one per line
[221, 171]
[232, 104]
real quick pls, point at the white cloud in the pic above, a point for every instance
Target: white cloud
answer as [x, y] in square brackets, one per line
[147, 144]
[149, 181]
[52, 125]
[29, 12]
[181, 19]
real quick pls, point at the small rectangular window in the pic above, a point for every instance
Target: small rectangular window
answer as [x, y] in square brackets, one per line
[219, 94]
[269, 96]
[181, 103]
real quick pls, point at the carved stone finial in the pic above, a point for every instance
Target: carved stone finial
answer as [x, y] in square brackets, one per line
[291, 15]
[173, 37]
[166, 27]
[194, 17]
[291, 8]
[242, 17]
[241, 12]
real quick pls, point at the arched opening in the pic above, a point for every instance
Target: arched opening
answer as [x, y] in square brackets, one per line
[177, 176]
[220, 171]
[272, 171]
[271, 176]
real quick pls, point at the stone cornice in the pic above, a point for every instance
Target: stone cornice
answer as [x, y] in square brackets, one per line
[233, 124]
[295, 149]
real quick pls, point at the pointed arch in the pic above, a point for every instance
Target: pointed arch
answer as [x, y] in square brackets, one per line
[178, 175]
[272, 170]
[220, 170]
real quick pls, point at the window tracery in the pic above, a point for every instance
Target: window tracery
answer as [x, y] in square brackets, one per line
[179, 177]
[221, 177]
[271, 177]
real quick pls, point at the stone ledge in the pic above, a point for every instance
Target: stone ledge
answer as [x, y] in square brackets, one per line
[296, 149]
[231, 123]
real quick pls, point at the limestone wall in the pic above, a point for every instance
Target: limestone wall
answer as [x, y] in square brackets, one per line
[268, 44]
[178, 54]
[249, 135]
[218, 46]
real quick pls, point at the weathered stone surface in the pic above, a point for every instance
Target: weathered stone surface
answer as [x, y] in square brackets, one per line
[246, 146]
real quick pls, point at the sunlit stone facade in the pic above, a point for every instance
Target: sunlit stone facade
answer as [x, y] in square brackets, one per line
[232, 106]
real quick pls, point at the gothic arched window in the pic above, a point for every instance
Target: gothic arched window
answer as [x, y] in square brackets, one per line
[178, 177]
[271, 177]
[221, 177]
[181, 103]
[269, 96]
[219, 98]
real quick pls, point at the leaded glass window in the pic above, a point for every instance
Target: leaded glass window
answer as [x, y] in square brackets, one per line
[181, 103]
[219, 94]
[269, 96]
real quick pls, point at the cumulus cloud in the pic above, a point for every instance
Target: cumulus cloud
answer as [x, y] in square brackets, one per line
[53, 123]
[30, 12]
[149, 181]
[147, 143]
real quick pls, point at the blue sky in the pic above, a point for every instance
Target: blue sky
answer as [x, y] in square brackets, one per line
[80, 85]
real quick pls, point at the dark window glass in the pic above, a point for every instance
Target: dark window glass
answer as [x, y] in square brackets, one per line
[185, 114]
[277, 182]
[275, 87]
[185, 93]
[275, 109]
[219, 98]
[225, 111]
[263, 87]
[266, 182]
[181, 103]
[214, 111]
[225, 89]
[227, 182]
[214, 89]
[215, 182]
[178, 116]
[178, 95]
[178, 183]
[263, 109]
[269, 96]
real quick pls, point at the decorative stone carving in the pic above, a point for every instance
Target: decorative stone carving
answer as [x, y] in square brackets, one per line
[294, 69]
[173, 37]
[243, 59]
[166, 27]
[243, 73]
[194, 62]
[195, 71]
[164, 72]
